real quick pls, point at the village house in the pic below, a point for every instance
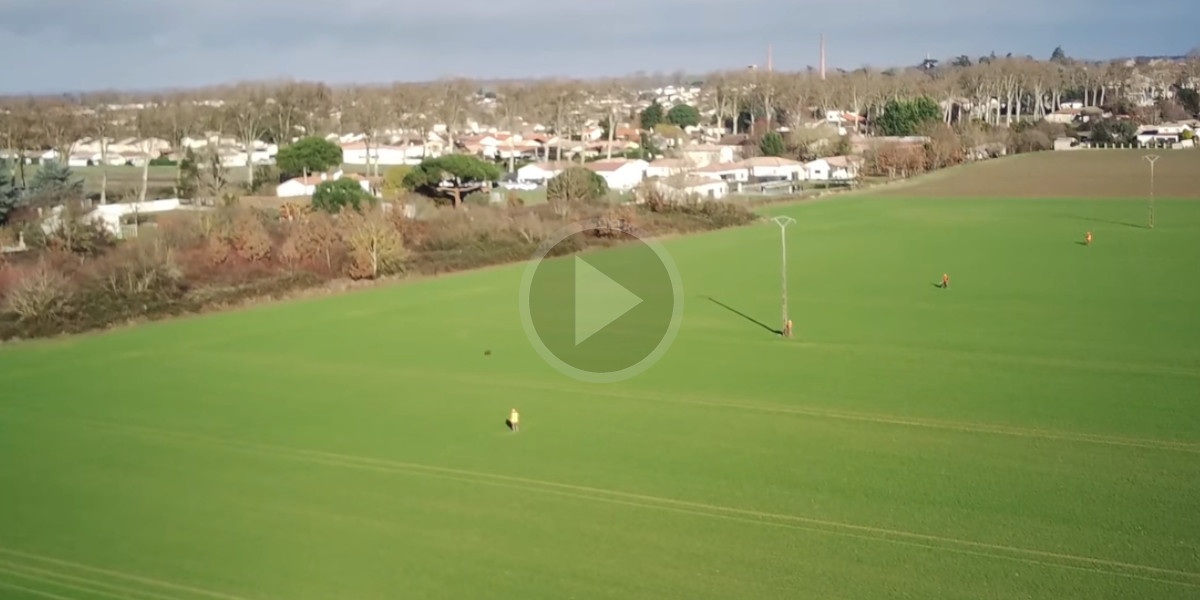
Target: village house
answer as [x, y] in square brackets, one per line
[620, 174]
[111, 216]
[1065, 116]
[618, 147]
[703, 155]
[628, 133]
[730, 172]
[203, 141]
[86, 158]
[558, 148]
[306, 186]
[692, 187]
[135, 159]
[1166, 133]
[81, 160]
[356, 153]
[666, 167]
[518, 148]
[774, 167]
[300, 186]
[833, 168]
[844, 121]
[541, 172]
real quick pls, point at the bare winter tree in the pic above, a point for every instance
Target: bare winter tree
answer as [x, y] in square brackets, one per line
[59, 125]
[176, 120]
[145, 125]
[453, 101]
[297, 108]
[562, 98]
[18, 129]
[404, 104]
[611, 94]
[376, 247]
[413, 105]
[366, 110]
[102, 123]
[513, 102]
[248, 115]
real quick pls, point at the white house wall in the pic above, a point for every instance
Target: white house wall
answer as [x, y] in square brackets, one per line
[294, 189]
[788, 172]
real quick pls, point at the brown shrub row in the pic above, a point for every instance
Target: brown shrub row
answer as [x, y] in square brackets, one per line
[196, 261]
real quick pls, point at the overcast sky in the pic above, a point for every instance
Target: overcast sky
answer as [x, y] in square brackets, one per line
[77, 45]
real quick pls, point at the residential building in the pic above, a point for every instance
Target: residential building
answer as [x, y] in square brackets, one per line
[833, 168]
[109, 216]
[541, 172]
[356, 153]
[693, 187]
[703, 155]
[774, 167]
[730, 172]
[620, 174]
[82, 160]
[666, 167]
[844, 121]
[1065, 116]
[306, 186]
[1166, 133]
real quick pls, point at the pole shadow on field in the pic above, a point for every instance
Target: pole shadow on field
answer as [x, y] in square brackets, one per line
[1108, 221]
[742, 315]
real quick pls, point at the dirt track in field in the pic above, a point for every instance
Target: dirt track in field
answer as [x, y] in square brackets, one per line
[1064, 174]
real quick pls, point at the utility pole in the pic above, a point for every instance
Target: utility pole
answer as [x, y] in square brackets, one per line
[783, 223]
[1151, 158]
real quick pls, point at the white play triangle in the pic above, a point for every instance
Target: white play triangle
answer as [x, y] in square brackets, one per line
[598, 300]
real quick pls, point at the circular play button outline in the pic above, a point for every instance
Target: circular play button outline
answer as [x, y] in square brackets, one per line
[547, 354]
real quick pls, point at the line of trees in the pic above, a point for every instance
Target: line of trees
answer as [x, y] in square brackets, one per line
[993, 89]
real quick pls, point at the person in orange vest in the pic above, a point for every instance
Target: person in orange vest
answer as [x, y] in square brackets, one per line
[945, 280]
[1088, 238]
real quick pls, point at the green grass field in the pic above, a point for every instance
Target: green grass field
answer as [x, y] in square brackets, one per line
[1032, 432]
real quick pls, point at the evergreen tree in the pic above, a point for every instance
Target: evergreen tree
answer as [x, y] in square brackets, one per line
[684, 115]
[652, 116]
[333, 196]
[576, 184]
[843, 147]
[10, 196]
[772, 145]
[905, 117]
[189, 176]
[309, 155]
[54, 184]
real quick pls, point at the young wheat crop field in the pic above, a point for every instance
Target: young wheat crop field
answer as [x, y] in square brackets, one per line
[1031, 432]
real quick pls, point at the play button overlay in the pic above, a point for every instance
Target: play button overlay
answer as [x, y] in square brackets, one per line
[598, 300]
[601, 315]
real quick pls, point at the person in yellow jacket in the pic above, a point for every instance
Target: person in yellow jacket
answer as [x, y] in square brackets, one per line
[514, 420]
